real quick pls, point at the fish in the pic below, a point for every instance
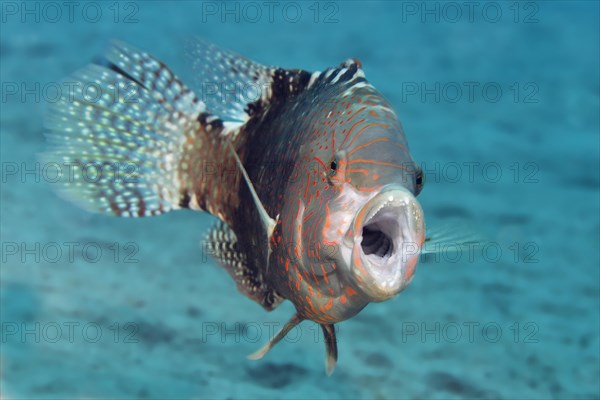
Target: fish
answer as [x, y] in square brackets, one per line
[311, 179]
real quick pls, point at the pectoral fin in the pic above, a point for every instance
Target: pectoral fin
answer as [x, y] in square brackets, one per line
[328, 333]
[295, 320]
[268, 222]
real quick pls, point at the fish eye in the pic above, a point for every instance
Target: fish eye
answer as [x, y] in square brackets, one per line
[336, 172]
[333, 167]
[419, 181]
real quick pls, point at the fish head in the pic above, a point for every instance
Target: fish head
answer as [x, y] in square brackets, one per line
[370, 220]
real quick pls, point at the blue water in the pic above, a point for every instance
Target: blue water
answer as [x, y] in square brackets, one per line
[135, 312]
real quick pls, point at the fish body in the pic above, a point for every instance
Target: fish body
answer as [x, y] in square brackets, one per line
[312, 181]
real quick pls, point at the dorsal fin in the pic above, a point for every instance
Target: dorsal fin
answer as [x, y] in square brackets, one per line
[227, 81]
[222, 244]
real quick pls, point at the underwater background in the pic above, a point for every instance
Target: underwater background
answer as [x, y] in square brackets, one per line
[500, 105]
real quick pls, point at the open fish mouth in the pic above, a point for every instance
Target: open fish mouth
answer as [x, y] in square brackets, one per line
[382, 232]
[388, 233]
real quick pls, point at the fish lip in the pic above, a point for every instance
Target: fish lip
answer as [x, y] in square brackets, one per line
[396, 213]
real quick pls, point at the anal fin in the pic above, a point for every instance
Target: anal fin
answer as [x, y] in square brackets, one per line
[330, 347]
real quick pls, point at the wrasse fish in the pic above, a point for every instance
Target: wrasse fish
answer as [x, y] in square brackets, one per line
[322, 209]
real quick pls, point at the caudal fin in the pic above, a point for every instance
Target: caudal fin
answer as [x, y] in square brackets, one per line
[134, 137]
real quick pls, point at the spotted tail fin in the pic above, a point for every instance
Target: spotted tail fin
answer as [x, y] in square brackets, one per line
[141, 132]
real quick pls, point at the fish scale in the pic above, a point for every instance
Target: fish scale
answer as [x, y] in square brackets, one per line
[295, 175]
